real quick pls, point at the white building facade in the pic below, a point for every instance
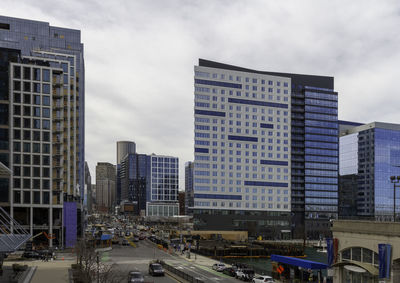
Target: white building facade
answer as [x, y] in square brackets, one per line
[242, 144]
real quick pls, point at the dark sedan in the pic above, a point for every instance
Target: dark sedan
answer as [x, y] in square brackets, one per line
[230, 271]
[156, 269]
[32, 254]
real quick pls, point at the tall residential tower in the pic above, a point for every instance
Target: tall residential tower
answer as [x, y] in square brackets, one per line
[266, 151]
[42, 84]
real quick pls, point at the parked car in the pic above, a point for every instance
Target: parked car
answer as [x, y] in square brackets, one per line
[231, 271]
[31, 254]
[156, 269]
[125, 242]
[245, 274]
[219, 266]
[47, 254]
[263, 279]
[135, 277]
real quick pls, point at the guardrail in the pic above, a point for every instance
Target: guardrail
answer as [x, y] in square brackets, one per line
[180, 273]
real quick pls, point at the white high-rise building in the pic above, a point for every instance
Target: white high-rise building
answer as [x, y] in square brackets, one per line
[242, 143]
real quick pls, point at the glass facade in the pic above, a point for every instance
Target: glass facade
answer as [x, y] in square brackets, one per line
[189, 192]
[149, 179]
[387, 163]
[377, 150]
[348, 154]
[321, 201]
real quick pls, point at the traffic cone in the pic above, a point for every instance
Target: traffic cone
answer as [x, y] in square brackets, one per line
[62, 258]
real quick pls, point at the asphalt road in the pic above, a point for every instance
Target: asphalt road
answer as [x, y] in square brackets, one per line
[128, 258]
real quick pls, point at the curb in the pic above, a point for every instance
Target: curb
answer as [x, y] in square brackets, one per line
[29, 275]
[103, 249]
[174, 276]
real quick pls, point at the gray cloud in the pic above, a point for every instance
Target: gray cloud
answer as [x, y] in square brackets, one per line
[140, 56]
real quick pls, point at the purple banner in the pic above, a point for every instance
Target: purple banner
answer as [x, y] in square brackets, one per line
[70, 223]
[329, 248]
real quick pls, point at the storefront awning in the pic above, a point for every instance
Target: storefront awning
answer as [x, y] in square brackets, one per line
[308, 264]
[354, 268]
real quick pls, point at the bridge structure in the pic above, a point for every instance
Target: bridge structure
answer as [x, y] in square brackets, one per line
[12, 234]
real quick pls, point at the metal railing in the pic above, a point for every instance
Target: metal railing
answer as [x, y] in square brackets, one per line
[180, 273]
[12, 235]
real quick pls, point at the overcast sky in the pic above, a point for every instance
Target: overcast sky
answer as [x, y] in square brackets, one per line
[139, 58]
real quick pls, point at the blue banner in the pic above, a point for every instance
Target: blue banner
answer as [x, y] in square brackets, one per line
[385, 253]
[388, 259]
[329, 248]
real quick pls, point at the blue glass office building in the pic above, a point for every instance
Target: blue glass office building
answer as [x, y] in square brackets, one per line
[150, 183]
[378, 158]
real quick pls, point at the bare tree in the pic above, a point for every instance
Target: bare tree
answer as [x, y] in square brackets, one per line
[91, 269]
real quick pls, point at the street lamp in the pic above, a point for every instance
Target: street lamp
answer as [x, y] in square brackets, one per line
[394, 180]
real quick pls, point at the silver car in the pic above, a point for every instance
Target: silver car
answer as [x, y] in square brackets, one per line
[135, 276]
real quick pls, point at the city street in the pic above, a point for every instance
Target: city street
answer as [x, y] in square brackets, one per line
[128, 258]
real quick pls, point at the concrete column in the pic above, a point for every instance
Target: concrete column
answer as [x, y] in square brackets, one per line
[31, 220]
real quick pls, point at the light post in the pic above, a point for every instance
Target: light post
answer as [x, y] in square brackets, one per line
[394, 180]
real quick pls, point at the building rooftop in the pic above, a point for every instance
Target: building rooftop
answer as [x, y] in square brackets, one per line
[305, 80]
[379, 125]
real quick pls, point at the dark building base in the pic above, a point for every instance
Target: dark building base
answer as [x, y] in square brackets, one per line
[267, 224]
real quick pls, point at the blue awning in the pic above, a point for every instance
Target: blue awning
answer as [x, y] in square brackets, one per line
[105, 237]
[308, 264]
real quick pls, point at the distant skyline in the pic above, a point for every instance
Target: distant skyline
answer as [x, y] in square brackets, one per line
[140, 56]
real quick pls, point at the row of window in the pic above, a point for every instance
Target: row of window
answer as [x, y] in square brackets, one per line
[34, 197]
[31, 87]
[239, 204]
[32, 99]
[247, 131]
[31, 135]
[28, 159]
[32, 111]
[254, 161]
[199, 89]
[240, 167]
[31, 147]
[318, 102]
[36, 184]
[247, 153]
[320, 95]
[27, 171]
[239, 175]
[202, 74]
[31, 73]
[31, 123]
[245, 190]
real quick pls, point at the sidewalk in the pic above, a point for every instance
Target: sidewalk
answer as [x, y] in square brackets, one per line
[51, 271]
